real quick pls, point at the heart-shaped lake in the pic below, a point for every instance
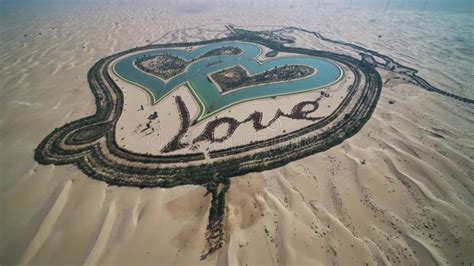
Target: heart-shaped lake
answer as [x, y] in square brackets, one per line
[198, 68]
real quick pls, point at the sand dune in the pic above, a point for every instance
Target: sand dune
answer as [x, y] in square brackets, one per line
[44, 231]
[398, 192]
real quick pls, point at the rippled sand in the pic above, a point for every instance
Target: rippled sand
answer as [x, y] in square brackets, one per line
[400, 191]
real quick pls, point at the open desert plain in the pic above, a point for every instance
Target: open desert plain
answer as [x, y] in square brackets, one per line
[232, 132]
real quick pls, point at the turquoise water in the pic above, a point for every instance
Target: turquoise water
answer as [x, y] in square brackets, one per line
[209, 96]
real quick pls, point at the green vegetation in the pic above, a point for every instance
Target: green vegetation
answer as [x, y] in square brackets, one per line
[237, 77]
[222, 51]
[163, 66]
[271, 54]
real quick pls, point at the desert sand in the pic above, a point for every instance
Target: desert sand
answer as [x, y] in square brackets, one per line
[398, 192]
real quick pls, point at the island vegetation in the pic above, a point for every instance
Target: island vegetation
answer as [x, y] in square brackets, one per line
[236, 77]
[271, 53]
[225, 50]
[163, 66]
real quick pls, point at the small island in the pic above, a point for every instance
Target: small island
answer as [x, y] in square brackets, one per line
[163, 66]
[271, 53]
[236, 77]
[225, 50]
